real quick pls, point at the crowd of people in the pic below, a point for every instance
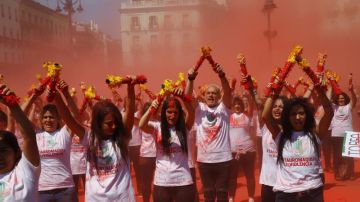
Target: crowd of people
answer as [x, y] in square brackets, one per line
[49, 148]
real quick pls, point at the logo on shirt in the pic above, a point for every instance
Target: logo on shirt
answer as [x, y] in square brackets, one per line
[51, 142]
[4, 191]
[106, 158]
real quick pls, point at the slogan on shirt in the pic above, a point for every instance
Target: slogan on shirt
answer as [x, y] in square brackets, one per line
[300, 161]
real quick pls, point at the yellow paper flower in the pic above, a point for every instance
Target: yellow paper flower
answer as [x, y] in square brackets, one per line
[294, 53]
[53, 69]
[112, 80]
[90, 92]
[304, 64]
[181, 79]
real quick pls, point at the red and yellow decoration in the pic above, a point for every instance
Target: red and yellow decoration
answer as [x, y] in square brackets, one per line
[9, 99]
[168, 88]
[116, 81]
[205, 50]
[51, 79]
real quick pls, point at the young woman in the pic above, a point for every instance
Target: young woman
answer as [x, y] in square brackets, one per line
[298, 174]
[108, 168]
[54, 143]
[173, 181]
[242, 146]
[19, 170]
[269, 156]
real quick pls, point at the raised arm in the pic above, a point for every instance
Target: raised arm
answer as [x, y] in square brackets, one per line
[69, 100]
[128, 118]
[353, 100]
[68, 118]
[190, 112]
[30, 149]
[325, 121]
[225, 86]
[144, 120]
[190, 84]
[308, 91]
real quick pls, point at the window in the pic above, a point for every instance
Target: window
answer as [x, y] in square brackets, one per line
[168, 22]
[153, 41]
[16, 15]
[186, 21]
[2, 11]
[136, 43]
[29, 17]
[168, 41]
[135, 23]
[153, 23]
[4, 32]
[9, 11]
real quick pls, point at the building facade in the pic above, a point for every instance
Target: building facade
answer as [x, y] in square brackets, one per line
[10, 33]
[154, 29]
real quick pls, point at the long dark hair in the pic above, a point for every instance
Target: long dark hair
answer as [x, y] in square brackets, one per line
[120, 138]
[9, 139]
[180, 126]
[309, 125]
[346, 97]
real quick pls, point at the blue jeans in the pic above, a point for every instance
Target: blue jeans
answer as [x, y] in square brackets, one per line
[59, 195]
[311, 195]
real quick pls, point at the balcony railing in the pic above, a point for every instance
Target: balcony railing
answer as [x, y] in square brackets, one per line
[158, 3]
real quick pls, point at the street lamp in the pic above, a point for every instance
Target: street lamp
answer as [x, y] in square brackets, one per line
[69, 7]
[269, 33]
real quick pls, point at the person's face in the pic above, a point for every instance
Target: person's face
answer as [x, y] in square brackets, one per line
[172, 115]
[238, 108]
[108, 126]
[297, 117]
[212, 96]
[341, 100]
[49, 122]
[277, 109]
[7, 158]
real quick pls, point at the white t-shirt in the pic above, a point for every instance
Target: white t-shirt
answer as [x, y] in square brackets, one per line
[112, 180]
[212, 135]
[342, 120]
[20, 184]
[269, 158]
[171, 170]
[240, 133]
[135, 133]
[301, 168]
[148, 146]
[54, 149]
[78, 154]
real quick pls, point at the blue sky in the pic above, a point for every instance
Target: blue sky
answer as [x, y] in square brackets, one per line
[104, 12]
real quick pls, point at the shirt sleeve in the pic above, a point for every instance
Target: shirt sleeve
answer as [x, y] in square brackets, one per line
[29, 171]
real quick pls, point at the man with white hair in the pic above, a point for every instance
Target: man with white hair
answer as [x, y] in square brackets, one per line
[212, 118]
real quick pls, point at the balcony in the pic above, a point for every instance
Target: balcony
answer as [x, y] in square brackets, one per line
[145, 4]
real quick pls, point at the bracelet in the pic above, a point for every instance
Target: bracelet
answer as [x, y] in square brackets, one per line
[191, 78]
